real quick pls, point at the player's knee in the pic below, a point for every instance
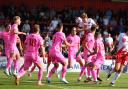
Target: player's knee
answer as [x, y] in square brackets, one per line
[66, 63]
[116, 69]
[119, 71]
[56, 65]
[26, 68]
[82, 64]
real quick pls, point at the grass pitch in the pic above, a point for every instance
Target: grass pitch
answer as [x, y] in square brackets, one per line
[7, 82]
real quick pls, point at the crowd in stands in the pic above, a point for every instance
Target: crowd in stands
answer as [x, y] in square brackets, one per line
[110, 21]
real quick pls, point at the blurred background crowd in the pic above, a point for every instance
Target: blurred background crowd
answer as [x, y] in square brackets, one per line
[110, 21]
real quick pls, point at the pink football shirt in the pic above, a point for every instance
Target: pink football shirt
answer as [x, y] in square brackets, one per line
[13, 36]
[58, 39]
[74, 41]
[33, 43]
[6, 39]
[90, 41]
[101, 50]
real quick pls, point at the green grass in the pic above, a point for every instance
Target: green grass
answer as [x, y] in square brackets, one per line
[30, 82]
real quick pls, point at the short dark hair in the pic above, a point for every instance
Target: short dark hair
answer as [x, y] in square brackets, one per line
[59, 25]
[84, 15]
[7, 25]
[93, 28]
[97, 34]
[36, 28]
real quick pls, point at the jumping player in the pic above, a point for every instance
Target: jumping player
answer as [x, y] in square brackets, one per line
[88, 50]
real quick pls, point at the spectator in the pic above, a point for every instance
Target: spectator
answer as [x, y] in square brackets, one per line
[108, 43]
[2, 16]
[53, 24]
[26, 27]
[47, 42]
[105, 21]
[113, 22]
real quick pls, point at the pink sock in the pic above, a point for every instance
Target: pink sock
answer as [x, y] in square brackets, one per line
[52, 71]
[40, 74]
[94, 74]
[64, 71]
[9, 63]
[82, 73]
[22, 72]
[89, 71]
[33, 68]
[16, 65]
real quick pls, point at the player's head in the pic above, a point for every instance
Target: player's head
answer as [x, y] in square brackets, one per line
[36, 28]
[109, 35]
[78, 20]
[59, 27]
[84, 17]
[73, 32]
[97, 35]
[26, 21]
[93, 28]
[17, 20]
[7, 27]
